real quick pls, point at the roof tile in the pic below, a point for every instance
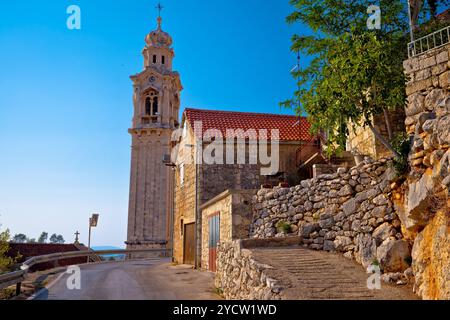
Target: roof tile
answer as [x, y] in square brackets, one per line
[291, 128]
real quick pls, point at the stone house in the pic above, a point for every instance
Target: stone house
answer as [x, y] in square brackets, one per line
[197, 182]
[226, 217]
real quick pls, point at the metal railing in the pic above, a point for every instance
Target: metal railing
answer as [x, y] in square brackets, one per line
[17, 277]
[429, 42]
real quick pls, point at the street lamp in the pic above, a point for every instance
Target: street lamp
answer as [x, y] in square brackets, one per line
[93, 221]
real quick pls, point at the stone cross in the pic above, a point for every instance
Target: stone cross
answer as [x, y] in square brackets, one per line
[76, 237]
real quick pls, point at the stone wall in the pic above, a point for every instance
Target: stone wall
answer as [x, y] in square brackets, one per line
[425, 211]
[362, 141]
[240, 277]
[349, 212]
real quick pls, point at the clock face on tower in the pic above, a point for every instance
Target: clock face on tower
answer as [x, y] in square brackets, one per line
[152, 79]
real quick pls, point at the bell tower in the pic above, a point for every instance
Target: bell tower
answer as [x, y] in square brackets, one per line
[156, 101]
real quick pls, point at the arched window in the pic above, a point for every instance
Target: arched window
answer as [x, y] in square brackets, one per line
[154, 58]
[163, 59]
[155, 105]
[148, 105]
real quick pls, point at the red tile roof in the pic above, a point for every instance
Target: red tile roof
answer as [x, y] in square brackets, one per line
[444, 16]
[291, 128]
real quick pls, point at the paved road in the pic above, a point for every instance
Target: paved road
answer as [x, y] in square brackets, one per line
[153, 279]
[318, 275]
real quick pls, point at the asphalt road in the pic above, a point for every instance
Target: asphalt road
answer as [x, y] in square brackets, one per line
[153, 279]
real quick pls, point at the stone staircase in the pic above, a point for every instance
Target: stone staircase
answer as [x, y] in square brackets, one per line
[316, 275]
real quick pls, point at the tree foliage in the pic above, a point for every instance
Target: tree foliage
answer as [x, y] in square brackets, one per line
[43, 237]
[355, 72]
[57, 239]
[5, 261]
[20, 238]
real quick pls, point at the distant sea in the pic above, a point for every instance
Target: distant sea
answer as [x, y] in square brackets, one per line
[109, 256]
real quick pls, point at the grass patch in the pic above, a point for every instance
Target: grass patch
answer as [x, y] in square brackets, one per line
[284, 227]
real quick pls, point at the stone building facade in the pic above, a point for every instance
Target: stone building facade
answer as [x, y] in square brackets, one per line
[233, 211]
[195, 184]
[156, 103]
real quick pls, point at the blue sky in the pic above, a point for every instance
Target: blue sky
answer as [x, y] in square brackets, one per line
[66, 96]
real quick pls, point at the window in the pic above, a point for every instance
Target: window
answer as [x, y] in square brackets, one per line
[182, 174]
[148, 105]
[185, 129]
[154, 58]
[155, 106]
[163, 59]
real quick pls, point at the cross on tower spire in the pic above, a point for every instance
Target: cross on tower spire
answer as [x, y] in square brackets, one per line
[159, 7]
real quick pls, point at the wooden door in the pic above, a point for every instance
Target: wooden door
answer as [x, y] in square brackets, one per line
[214, 238]
[189, 244]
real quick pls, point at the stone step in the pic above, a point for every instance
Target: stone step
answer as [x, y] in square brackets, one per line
[321, 276]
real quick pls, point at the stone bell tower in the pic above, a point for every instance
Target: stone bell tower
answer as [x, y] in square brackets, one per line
[156, 107]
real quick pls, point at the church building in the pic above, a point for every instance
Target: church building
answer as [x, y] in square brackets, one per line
[165, 192]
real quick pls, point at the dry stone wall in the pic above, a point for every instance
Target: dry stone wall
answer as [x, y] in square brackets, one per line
[425, 211]
[240, 277]
[349, 212]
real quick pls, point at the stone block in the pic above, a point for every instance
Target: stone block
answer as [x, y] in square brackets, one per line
[422, 74]
[350, 207]
[427, 62]
[394, 255]
[444, 80]
[442, 57]
[366, 252]
[382, 233]
[434, 98]
[443, 107]
[411, 65]
[440, 68]
[416, 104]
[418, 86]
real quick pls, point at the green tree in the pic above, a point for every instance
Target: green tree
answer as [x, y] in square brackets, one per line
[57, 239]
[5, 262]
[60, 239]
[20, 238]
[43, 237]
[355, 73]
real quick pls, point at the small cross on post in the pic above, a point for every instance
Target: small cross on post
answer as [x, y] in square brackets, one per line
[76, 237]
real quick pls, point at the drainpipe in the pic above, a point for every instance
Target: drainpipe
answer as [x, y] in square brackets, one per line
[198, 215]
[172, 213]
